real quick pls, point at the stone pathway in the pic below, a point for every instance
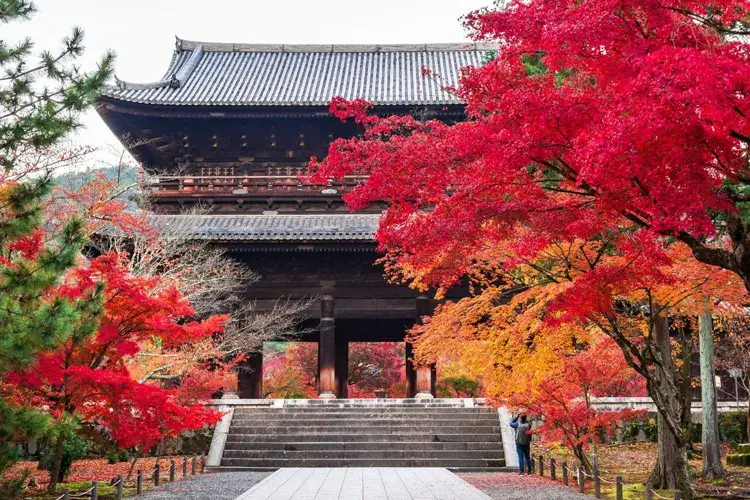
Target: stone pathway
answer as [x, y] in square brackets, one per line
[511, 486]
[218, 486]
[376, 483]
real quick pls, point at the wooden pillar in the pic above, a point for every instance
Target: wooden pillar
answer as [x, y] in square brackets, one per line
[250, 377]
[411, 374]
[342, 367]
[425, 379]
[327, 350]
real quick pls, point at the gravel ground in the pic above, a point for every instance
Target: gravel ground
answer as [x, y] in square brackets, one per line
[212, 486]
[511, 486]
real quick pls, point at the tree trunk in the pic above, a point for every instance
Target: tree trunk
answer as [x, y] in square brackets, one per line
[664, 475]
[712, 467]
[57, 468]
[671, 469]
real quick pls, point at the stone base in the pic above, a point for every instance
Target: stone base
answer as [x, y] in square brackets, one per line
[424, 395]
[326, 395]
[230, 395]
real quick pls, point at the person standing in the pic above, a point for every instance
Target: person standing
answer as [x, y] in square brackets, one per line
[523, 442]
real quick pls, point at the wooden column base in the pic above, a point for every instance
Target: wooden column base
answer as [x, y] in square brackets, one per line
[250, 377]
[327, 360]
[425, 384]
[342, 368]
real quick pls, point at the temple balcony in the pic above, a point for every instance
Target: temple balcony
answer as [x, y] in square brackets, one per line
[234, 186]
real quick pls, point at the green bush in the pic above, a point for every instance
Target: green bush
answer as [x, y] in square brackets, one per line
[458, 387]
[733, 427]
[632, 428]
[74, 448]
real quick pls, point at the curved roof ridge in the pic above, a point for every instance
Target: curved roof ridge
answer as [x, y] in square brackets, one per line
[174, 76]
[188, 45]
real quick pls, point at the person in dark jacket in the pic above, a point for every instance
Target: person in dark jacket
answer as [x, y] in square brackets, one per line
[523, 442]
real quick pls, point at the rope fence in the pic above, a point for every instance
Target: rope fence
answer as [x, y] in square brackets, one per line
[119, 482]
[579, 476]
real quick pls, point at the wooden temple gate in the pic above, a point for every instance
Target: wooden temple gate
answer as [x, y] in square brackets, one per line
[233, 126]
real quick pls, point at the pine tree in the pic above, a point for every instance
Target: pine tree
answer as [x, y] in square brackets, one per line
[40, 103]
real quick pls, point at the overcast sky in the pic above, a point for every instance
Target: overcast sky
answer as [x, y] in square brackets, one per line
[141, 32]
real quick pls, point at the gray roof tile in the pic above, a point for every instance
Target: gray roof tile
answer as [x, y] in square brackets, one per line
[269, 228]
[217, 74]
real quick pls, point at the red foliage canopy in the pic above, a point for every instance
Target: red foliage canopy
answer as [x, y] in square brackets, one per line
[89, 376]
[593, 114]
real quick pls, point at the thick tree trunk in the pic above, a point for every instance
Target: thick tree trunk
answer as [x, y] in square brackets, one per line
[712, 467]
[671, 388]
[54, 476]
[664, 475]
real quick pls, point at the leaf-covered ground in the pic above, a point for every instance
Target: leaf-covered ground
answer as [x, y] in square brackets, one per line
[634, 462]
[85, 471]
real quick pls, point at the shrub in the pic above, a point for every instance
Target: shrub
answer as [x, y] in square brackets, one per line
[458, 387]
[732, 427]
[74, 448]
[647, 425]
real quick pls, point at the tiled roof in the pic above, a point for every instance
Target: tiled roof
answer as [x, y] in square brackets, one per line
[215, 74]
[269, 228]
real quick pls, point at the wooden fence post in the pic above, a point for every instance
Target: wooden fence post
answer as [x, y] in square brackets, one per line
[552, 472]
[184, 467]
[120, 486]
[139, 482]
[156, 475]
[171, 471]
[581, 480]
[95, 490]
[676, 495]
[649, 492]
[565, 473]
[597, 480]
[618, 488]
[192, 466]
[65, 495]
[541, 465]
[203, 464]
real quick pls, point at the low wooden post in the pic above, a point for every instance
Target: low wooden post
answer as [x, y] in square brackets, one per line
[618, 488]
[649, 492]
[95, 490]
[552, 471]
[65, 495]
[581, 480]
[541, 465]
[156, 475]
[597, 481]
[139, 482]
[184, 466]
[533, 465]
[203, 464]
[120, 486]
[192, 466]
[565, 473]
[676, 495]
[171, 471]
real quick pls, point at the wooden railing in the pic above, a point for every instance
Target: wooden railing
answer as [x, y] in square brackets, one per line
[249, 184]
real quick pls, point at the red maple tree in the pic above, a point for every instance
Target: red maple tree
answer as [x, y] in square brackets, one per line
[88, 378]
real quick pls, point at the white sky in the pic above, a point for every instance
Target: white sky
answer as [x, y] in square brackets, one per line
[141, 32]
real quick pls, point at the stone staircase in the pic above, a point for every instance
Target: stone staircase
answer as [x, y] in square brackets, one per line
[364, 433]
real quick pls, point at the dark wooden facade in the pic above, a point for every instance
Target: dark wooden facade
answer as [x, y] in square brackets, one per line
[233, 126]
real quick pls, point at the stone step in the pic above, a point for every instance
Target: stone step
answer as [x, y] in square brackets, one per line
[344, 437]
[316, 420]
[264, 428]
[457, 402]
[363, 445]
[404, 409]
[361, 454]
[384, 462]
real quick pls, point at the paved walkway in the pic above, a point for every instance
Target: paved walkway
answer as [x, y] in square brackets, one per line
[363, 484]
